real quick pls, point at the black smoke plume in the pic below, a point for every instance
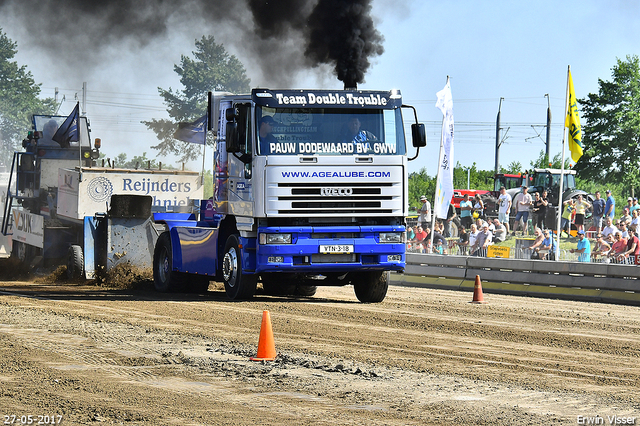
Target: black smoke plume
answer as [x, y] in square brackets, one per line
[341, 32]
[281, 36]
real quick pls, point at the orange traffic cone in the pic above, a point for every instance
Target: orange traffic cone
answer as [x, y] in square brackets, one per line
[478, 297]
[266, 346]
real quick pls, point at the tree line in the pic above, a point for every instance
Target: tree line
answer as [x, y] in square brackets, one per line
[421, 183]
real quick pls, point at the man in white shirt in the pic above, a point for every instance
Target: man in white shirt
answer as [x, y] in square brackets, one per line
[500, 231]
[504, 207]
[483, 239]
[609, 231]
[425, 213]
[473, 234]
[622, 227]
[523, 201]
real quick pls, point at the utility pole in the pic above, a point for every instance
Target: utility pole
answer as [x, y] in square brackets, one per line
[84, 98]
[497, 168]
[548, 129]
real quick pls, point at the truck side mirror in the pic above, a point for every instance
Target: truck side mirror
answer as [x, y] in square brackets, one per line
[418, 135]
[232, 139]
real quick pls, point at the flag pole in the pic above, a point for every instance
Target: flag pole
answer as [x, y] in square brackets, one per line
[79, 142]
[438, 177]
[564, 134]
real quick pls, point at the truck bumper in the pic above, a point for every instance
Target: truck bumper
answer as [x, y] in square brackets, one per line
[330, 249]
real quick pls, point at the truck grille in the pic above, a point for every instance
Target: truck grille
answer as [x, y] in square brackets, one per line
[336, 199]
[335, 192]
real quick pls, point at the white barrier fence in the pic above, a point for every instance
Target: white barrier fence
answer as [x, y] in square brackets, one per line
[619, 283]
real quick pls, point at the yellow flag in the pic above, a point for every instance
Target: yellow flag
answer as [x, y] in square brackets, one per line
[572, 122]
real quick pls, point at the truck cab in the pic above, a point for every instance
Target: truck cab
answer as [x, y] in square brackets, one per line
[310, 189]
[37, 166]
[33, 185]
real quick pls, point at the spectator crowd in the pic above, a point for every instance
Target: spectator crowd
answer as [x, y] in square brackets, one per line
[600, 235]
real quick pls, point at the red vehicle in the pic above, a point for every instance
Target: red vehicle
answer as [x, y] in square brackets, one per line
[489, 198]
[508, 181]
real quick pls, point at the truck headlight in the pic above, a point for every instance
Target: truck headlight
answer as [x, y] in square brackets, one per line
[391, 237]
[275, 239]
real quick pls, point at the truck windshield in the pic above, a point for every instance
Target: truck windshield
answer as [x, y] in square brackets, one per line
[49, 124]
[330, 131]
[569, 181]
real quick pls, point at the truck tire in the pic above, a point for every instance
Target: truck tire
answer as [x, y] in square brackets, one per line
[371, 286]
[75, 263]
[306, 290]
[164, 278]
[237, 285]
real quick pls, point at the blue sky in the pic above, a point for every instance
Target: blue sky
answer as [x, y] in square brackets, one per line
[513, 50]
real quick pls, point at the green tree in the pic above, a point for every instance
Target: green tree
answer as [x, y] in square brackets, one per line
[420, 183]
[18, 99]
[611, 128]
[477, 179]
[137, 162]
[513, 168]
[543, 162]
[211, 69]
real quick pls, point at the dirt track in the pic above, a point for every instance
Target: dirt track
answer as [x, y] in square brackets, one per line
[422, 356]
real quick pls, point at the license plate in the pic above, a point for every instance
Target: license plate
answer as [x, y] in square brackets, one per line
[337, 248]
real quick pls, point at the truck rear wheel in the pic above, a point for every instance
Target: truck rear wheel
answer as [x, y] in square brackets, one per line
[237, 285]
[75, 263]
[164, 278]
[370, 286]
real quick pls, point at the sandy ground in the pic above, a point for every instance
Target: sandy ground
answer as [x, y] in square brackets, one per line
[92, 354]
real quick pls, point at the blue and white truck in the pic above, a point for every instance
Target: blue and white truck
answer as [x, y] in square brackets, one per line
[310, 189]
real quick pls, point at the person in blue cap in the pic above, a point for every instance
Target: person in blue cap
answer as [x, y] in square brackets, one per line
[584, 248]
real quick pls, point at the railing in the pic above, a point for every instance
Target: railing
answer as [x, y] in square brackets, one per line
[453, 249]
[619, 283]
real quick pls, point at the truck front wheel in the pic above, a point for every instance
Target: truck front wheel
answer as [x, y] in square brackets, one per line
[370, 286]
[237, 285]
[306, 290]
[164, 278]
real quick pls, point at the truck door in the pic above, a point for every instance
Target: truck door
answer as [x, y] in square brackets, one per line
[240, 163]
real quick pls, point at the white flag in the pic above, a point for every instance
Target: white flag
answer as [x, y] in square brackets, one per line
[444, 185]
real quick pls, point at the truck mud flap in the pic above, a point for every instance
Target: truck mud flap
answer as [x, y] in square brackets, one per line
[130, 206]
